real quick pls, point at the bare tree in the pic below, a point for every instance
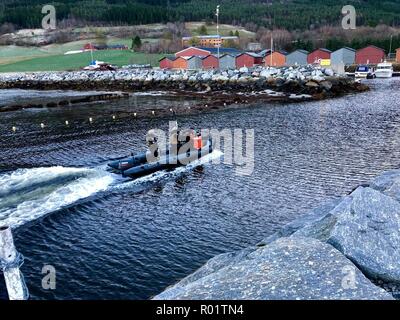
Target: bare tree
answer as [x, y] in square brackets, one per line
[7, 28]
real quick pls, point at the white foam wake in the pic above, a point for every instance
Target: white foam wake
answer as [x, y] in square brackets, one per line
[28, 194]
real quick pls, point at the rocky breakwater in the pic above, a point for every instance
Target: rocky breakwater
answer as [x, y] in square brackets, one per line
[57, 101]
[348, 248]
[294, 82]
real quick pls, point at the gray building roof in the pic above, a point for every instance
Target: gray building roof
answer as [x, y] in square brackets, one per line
[194, 62]
[227, 61]
[344, 56]
[252, 54]
[264, 52]
[172, 58]
[347, 48]
[298, 57]
[301, 51]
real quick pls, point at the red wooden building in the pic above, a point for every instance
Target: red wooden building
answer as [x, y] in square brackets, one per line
[210, 62]
[166, 63]
[370, 54]
[248, 59]
[192, 51]
[317, 55]
[89, 46]
[179, 63]
[275, 59]
[398, 55]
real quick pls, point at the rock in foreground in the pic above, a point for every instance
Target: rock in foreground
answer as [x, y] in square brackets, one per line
[365, 227]
[310, 257]
[288, 268]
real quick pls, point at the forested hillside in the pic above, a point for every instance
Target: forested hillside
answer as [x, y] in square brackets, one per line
[287, 14]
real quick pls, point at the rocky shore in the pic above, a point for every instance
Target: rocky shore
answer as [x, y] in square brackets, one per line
[348, 248]
[87, 97]
[306, 82]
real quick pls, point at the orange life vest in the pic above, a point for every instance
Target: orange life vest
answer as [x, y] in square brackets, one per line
[198, 143]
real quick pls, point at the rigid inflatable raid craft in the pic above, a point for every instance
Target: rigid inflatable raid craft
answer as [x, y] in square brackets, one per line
[191, 149]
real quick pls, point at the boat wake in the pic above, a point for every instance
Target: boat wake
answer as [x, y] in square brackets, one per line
[28, 194]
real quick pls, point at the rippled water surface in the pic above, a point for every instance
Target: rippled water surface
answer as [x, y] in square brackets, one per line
[112, 239]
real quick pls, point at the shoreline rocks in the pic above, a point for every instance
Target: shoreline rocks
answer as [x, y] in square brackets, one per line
[316, 82]
[288, 269]
[359, 232]
[62, 102]
[365, 227]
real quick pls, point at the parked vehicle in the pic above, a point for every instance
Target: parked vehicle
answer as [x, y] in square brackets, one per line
[384, 70]
[96, 65]
[364, 72]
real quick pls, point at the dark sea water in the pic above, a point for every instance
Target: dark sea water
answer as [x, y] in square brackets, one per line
[112, 239]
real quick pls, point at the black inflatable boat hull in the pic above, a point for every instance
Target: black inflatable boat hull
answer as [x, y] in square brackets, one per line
[137, 166]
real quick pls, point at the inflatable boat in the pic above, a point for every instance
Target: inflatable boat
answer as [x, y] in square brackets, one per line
[138, 165]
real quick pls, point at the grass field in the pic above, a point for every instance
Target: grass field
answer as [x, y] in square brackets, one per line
[77, 61]
[51, 57]
[10, 54]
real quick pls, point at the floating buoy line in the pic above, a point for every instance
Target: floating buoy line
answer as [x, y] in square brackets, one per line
[91, 120]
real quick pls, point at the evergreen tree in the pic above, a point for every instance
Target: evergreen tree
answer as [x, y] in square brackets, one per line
[290, 15]
[202, 30]
[136, 43]
[194, 41]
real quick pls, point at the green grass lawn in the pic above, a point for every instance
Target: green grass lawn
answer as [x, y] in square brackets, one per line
[77, 61]
[10, 54]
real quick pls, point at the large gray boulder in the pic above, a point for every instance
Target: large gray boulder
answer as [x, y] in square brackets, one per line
[365, 227]
[388, 183]
[289, 268]
[305, 220]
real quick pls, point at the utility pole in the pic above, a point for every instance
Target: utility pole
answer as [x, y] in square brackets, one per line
[219, 38]
[10, 261]
[272, 49]
[390, 50]
[91, 52]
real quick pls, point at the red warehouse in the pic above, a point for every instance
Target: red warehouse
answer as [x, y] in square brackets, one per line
[317, 55]
[179, 63]
[210, 62]
[370, 54]
[192, 51]
[166, 63]
[248, 59]
[89, 46]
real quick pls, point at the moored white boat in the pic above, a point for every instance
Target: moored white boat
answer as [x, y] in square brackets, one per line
[384, 70]
[364, 72]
